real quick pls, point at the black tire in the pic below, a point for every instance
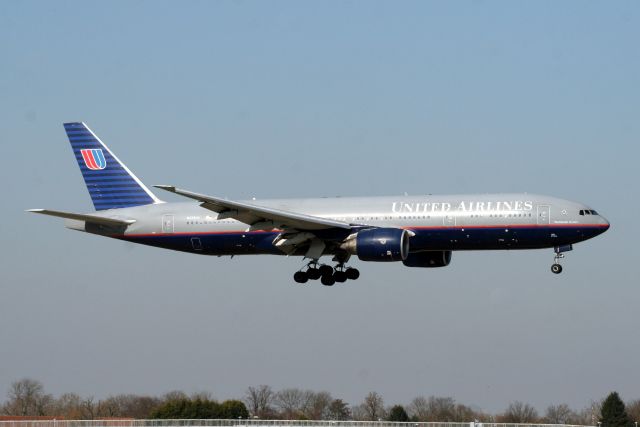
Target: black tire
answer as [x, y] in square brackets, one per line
[300, 277]
[352, 273]
[328, 280]
[326, 270]
[556, 268]
[340, 276]
[313, 273]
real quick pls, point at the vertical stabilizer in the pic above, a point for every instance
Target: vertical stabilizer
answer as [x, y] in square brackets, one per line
[110, 183]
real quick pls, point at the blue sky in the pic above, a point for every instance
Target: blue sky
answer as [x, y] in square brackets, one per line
[293, 99]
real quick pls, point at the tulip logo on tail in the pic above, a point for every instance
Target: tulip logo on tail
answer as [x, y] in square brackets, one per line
[94, 159]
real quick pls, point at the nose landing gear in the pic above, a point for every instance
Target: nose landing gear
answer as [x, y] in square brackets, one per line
[556, 268]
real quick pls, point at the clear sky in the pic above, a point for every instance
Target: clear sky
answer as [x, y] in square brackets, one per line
[292, 99]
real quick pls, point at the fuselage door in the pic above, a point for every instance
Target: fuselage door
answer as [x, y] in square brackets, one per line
[167, 223]
[196, 243]
[449, 220]
[544, 218]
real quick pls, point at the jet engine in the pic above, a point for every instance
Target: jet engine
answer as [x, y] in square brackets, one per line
[428, 259]
[379, 244]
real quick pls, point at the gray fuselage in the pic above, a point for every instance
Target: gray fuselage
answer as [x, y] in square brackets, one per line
[437, 223]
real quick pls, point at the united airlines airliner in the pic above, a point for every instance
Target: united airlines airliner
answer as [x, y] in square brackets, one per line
[418, 231]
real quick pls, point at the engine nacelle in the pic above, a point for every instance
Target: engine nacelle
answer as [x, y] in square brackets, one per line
[379, 244]
[428, 259]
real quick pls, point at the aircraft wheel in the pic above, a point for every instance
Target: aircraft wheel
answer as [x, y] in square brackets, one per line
[352, 273]
[326, 270]
[328, 280]
[300, 277]
[340, 276]
[556, 268]
[314, 273]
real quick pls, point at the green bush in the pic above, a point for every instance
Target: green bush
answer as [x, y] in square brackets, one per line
[398, 414]
[188, 409]
[234, 409]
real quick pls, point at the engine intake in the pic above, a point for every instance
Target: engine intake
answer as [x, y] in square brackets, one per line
[379, 244]
[428, 259]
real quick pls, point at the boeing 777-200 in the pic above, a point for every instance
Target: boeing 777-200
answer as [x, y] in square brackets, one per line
[419, 231]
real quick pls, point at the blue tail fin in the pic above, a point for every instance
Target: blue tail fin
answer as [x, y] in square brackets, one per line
[110, 183]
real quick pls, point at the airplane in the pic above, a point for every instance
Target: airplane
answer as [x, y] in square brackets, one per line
[419, 231]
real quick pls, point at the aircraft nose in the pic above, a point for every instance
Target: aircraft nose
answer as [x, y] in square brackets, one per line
[605, 223]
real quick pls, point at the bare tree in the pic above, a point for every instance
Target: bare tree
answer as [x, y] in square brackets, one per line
[372, 409]
[141, 406]
[127, 405]
[89, 408]
[419, 409]
[27, 397]
[559, 414]
[293, 402]
[69, 406]
[109, 407]
[588, 416]
[592, 413]
[441, 409]
[633, 409]
[519, 412]
[316, 405]
[259, 401]
[358, 413]
[464, 413]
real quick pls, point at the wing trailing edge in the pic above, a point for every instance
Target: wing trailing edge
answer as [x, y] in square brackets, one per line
[255, 215]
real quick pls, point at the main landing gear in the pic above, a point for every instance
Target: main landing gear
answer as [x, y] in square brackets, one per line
[328, 275]
[556, 268]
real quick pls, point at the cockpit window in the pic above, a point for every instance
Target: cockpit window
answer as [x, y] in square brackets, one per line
[594, 212]
[581, 212]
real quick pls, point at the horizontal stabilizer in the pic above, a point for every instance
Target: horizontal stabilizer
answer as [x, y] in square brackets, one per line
[114, 222]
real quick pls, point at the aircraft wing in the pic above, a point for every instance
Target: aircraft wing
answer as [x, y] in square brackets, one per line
[258, 217]
[114, 222]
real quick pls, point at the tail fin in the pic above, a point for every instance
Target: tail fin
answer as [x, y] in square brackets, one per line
[110, 183]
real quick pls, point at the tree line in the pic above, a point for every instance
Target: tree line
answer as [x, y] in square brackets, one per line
[27, 397]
